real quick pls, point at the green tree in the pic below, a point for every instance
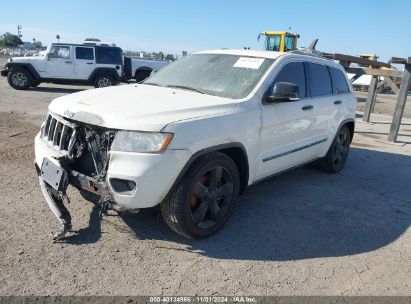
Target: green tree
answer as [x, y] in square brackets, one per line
[10, 40]
[170, 57]
[93, 39]
[38, 44]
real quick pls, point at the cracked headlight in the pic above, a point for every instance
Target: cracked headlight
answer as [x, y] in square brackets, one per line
[149, 142]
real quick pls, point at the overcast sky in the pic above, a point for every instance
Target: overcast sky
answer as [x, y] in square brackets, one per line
[350, 27]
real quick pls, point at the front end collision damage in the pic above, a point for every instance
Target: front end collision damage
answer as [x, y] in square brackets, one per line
[82, 151]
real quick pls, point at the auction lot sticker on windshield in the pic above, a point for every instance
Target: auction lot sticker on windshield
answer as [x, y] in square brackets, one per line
[249, 63]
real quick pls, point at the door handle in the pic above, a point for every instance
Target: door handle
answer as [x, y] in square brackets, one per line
[69, 62]
[337, 102]
[89, 63]
[306, 108]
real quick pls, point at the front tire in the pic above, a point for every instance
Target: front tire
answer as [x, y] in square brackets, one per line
[35, 83]
[337, 155]
[19, 78]
[103, 80]
[205, 197]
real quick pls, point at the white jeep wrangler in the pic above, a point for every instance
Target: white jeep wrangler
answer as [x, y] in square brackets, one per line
[194, 135]
[62, 63]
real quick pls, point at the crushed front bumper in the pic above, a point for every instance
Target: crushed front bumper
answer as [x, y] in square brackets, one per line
[152, 174]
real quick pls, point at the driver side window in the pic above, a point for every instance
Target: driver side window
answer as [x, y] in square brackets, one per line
[59, 51]
[293, 72]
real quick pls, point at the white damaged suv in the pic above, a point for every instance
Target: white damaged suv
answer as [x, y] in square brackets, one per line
[194, 135]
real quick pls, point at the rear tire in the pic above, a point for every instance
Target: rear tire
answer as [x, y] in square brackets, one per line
[337, 155]
[104, 80]
[205, 197]
[19, 78]
[142, 75]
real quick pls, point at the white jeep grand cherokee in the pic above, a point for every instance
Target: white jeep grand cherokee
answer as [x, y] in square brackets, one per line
[193, 136]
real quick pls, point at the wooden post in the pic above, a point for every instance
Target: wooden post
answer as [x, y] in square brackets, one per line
[391, 83]
[402, 98]
[372, 96]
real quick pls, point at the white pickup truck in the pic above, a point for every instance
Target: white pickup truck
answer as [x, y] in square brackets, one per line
[63, 63]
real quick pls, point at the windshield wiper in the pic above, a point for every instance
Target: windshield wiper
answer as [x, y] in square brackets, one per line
[185, 88]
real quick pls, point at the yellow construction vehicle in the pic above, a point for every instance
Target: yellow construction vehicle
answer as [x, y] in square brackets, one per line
[280, 41]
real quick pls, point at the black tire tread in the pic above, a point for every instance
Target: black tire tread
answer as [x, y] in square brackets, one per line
[35, 83]
[21, 70]
[172, 209]
[96, 79]
[326, 164]
[142, 75]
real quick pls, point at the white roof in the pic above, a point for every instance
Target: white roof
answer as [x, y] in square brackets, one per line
[271, 55]
[250, 53]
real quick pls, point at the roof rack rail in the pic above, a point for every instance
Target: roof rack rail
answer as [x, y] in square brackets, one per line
[308, 52]
[95, 43]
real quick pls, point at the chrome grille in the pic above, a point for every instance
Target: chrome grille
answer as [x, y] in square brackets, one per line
[57, 132]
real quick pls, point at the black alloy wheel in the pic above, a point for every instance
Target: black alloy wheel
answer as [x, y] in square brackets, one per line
[211, 197]
[204, 198]
[341, 147]
[337, 155]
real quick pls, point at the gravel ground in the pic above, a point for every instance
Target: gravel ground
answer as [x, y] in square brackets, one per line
[303, 233]
[385, 104]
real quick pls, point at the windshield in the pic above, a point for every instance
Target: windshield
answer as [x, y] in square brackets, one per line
[221, 75]
[273, 43]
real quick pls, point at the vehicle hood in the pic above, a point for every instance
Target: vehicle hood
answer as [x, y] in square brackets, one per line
[25, 59]
[138, 107]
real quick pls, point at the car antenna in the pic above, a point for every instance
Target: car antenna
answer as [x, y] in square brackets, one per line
[313, 45]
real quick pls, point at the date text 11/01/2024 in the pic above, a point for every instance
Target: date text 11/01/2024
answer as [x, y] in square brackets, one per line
[203, 299]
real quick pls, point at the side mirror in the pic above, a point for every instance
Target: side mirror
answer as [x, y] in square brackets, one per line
[282, 92]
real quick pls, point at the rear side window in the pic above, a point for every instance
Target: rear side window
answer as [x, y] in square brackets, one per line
[340, 85]
[294, 73]
[107, 55]
[320, 80]
[84, 53]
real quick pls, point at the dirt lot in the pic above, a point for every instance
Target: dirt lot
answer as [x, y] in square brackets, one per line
[303, 233]
[385, 104]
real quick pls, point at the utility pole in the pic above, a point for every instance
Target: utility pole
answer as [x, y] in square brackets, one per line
[19, 28]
